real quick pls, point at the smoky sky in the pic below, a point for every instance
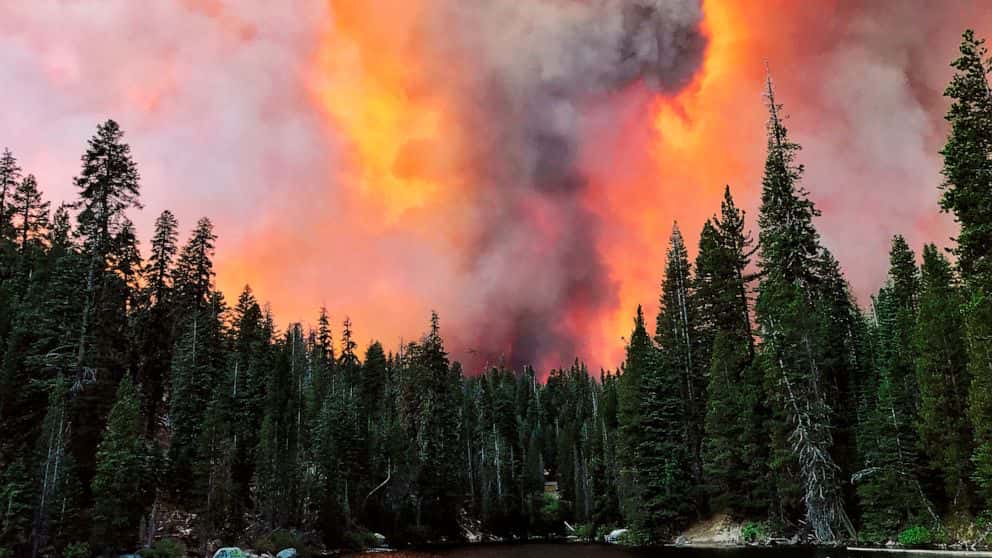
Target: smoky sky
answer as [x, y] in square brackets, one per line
[568, 185]
[533, 70]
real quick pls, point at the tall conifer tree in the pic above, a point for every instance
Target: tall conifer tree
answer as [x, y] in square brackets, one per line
[640, 364]
[122, 487]
[944, 427]
[684, 356]
[734, 448]
[10, 178]
[888, 487]
[967, 189]
[789, 316]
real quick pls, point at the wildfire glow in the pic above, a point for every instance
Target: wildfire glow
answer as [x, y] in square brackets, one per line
[369, 81]
[658, 159]
[674, 170]
[495, 161]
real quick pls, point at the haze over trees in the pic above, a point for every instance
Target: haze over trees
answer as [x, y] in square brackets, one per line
[130, 387]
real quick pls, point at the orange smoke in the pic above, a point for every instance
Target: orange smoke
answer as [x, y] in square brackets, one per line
[404, 161]
[675, 157]
[648, 159]
[369, 80]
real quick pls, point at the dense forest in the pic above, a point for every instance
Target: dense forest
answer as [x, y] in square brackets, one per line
[132, 394]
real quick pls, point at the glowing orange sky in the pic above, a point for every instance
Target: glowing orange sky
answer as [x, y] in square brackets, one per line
[668, 160]
[325, 144]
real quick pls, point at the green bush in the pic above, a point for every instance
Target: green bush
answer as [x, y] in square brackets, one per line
[77, 550]
[915, 536]
[164, 548]
[872, 536]
[752, 532]
[549, 519]
[983, 528]
[585, 531]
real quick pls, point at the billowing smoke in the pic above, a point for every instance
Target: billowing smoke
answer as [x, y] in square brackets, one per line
[526, 73]
[514, 164]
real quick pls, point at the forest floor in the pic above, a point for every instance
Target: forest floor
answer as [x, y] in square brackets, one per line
[719, 530]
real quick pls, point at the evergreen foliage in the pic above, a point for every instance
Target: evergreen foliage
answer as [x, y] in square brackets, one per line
[123, 486]
[734, 448]
[130, 390]
[943, 426]
[966, 192]
[888, 486]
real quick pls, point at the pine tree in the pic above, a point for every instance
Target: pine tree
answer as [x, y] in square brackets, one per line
[324, 359]
[197, 365]
[967, 189]
[348, 363]
[31, 212]
[108, 185]
[336, 431]
[221, 511]
[197, 360]
[666, 462]
[676, 401]
[790, 313]
[123, 487]
[247, 366]
[640, 364]
[22, 388]
[193, 278]
[888, 486]
[15, 504]
[944, 428]
[685, 352]
[10, 178]
[278, 457]
[734, 448]
[126, 265]
[967, 155]
[372, 392]
[163, 251]
[56, 518]
[156, 321]
[604, 472]
[437, 441]
[60, 309]
[373, 381]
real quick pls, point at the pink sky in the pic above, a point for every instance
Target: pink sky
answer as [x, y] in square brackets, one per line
[217, 101]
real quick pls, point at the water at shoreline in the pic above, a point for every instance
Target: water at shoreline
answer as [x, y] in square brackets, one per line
[564, 550]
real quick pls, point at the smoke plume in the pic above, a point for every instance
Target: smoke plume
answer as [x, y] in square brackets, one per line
[526, 75]
[514, 164]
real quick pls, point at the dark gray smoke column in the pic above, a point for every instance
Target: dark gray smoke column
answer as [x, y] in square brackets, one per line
[526, 70]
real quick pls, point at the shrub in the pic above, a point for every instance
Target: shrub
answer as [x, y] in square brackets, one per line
[752, 532]
[164, 548]
[77, 550]
[549, 518]
[585, 531]
[915, 536]
[982, 528]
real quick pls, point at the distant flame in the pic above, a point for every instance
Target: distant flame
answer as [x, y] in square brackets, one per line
[368, 81]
